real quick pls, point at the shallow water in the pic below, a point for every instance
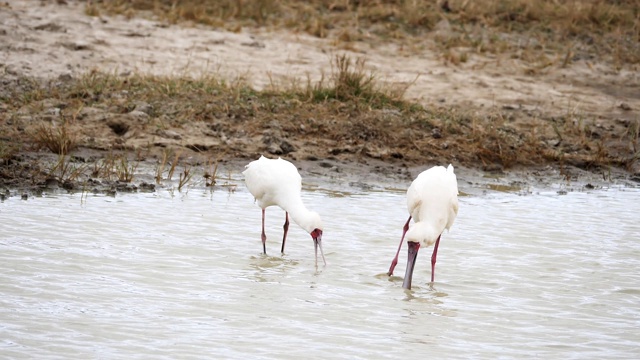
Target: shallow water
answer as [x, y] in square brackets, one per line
[170, 275]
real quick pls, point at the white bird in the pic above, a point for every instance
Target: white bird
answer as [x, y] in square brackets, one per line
[432, 201]
[277, 182]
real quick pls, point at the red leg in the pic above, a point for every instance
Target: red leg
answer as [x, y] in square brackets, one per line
[395, 259]
[264, 236]
[286, 229]
[433, 259]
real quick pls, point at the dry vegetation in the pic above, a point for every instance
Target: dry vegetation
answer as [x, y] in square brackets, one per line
[347, 115]
[538, 31]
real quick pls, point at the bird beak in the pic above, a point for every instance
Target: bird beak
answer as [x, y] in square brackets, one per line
[411, 262]
[317, 241]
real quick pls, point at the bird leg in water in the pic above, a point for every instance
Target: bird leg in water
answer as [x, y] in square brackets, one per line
[411, 262]
[395, 259]
[264, 236]
[286, 229]
[433, 259]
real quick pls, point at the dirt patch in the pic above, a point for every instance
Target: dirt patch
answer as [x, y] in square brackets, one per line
[491, 113]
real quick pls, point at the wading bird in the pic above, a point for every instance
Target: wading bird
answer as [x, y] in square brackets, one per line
[277, 182]
[432, 201]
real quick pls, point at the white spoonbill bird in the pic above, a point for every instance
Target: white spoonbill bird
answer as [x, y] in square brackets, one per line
[432, 200]
[277, 182]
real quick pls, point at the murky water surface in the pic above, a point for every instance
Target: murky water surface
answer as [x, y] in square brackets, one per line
[162, 276]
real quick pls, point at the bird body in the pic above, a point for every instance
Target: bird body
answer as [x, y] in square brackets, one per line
[432, 202]
[276, 182]
[272, 181]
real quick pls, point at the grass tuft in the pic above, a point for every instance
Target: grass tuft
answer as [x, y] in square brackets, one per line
[58, 139]
[65, 171]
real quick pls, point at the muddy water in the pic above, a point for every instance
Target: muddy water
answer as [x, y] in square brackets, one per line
[181, 276]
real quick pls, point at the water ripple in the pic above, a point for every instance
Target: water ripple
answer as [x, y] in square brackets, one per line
[170, 275]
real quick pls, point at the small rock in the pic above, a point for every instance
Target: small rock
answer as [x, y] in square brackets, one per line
[51, 183]
[53, 111]
[138, 115]
[147, 186]
[215, 42]
[436, 134]
[53, 27]
[24, 197]
[443, 26]
[68, 185]
[169, 134]
[274, 149]
[377, 153]
[143, 107]
[65, 77]
[275, 124]
[76, 46]
[137, 34]
[624, 106]
[493, 168]
[255, 44]
[286, 147]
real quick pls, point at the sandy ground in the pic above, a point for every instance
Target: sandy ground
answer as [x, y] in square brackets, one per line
[50, 40]
[45, 39]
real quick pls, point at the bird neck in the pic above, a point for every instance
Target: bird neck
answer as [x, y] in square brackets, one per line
[299, 213]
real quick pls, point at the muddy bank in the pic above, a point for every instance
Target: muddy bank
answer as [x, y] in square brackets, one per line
[338, 177]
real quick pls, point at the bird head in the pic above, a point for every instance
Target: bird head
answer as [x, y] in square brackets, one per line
[420, 234]
[314, 226]
[423, 233]
[316, 235]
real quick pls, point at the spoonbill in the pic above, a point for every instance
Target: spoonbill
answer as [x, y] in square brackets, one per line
[277, 182]
[432, 201]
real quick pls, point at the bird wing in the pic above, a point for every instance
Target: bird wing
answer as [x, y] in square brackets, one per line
[453, 212]
[272, 181]
[414, 199]
[433, 195]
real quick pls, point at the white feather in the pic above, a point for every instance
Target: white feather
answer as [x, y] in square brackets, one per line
[277, 182]
[432, 201]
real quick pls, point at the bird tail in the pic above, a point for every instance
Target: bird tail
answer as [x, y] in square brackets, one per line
[450, 169]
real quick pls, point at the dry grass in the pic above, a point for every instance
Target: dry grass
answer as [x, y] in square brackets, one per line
[211, 174]
[7, 150]
[57, 138]
[114, 166]
[64, 170]
[348, 113]
[610, 29]
[185, 176]
[124, 169]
